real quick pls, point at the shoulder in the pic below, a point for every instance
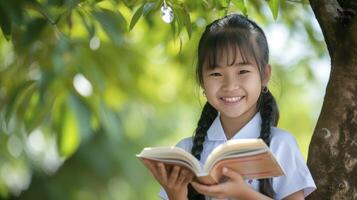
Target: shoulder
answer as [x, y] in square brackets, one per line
[297, 175]
[283, 144]
[282, 137]
[185, 143]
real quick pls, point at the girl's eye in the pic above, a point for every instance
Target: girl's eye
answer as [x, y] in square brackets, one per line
[215, 74]
[243, 71]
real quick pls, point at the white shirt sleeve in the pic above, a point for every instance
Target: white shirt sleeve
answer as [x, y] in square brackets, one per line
[162, 194]
[297, 175]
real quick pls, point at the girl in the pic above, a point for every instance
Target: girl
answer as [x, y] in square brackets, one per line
[233, 71]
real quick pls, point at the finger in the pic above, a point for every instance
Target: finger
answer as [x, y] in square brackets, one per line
[231, 173]
[155, 171]
[150, 165]
[169, 168]
[210, 190]
[162, 172]
[200, 188]
[145, 161]
[189, 177]
[174, 174]
[182, 177]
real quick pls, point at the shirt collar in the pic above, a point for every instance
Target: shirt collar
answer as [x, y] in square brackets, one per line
[250, 130]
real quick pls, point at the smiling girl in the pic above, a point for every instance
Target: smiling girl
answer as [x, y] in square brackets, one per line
[233, 70]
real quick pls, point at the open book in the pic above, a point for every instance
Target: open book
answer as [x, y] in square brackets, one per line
[251, 158]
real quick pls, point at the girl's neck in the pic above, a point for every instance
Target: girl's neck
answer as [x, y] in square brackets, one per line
[232, 125]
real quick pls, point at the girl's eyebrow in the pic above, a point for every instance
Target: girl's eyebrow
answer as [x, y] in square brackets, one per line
[237, 64]
[240, 64]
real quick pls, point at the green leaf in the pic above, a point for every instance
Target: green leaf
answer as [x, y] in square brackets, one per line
[113, 23]
[70, 138]
[41, 102]
[187, 21]
[87, 23]
[14, 10]
[56, 2]
[274, 7]
[82, 114]
[136, 17]
[38, 112]
[33, 30]
[110, 122]
[183, 18]
[148, 7]
[17, 97]
[5, 23]
[241, 5]
[178, 19]
[142, 11]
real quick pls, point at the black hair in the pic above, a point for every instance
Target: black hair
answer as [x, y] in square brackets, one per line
[238, 34]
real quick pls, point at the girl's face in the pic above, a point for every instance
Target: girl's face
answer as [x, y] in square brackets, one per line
[234, 90]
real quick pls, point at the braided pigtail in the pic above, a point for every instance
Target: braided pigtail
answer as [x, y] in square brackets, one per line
[207, 117]
[270, 117]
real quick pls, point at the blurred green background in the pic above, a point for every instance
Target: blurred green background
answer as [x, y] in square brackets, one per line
[85, 85]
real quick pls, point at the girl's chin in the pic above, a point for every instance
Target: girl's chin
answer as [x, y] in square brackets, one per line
[230, 114]
[233, 114]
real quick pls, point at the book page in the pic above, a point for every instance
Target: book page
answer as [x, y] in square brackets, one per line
[239, 146]
[172, 155]
[258, 166]
[232, 155]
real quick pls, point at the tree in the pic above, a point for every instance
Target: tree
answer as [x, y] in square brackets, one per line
[333, 153]
[50, 58]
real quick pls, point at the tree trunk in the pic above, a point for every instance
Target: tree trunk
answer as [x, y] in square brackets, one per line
[333, 149]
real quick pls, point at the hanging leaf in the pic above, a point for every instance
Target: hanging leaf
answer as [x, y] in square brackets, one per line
[110, 122]
[187, 21]
[11, 15]
[17, 97]
[33, 30]
[241, 5]
[5, 23]
[136, 17]
[142, 11]
[178, 13]
[148, 7]
[37, 113]
[274, 7]
[113, 23]
[69, 138]
[183, 19]
[87, 24]
[82, 114]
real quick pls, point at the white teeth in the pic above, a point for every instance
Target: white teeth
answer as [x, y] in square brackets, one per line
[231, 99]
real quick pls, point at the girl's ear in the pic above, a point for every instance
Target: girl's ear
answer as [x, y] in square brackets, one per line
[267, 75]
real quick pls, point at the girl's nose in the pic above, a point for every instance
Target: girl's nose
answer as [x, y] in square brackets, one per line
[230, 83]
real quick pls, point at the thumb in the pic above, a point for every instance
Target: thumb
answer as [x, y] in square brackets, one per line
[231, 173]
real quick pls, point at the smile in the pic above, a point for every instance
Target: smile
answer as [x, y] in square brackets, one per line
[231, 99]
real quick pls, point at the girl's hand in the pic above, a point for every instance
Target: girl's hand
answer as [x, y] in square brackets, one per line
[234, 187]
[174, 182]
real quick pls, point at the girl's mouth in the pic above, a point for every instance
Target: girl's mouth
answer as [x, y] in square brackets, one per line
[232, 99]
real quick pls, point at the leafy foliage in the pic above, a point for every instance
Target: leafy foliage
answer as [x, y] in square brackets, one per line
[84, 85]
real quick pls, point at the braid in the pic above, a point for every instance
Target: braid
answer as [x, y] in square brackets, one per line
[207, 117]
[270, 117]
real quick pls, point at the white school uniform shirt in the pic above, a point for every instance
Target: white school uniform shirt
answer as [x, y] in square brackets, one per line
[283, 145]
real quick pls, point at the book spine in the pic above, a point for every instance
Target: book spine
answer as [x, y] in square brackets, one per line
[208, 180]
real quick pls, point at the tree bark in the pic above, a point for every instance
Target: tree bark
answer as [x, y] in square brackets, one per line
[333, 149]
